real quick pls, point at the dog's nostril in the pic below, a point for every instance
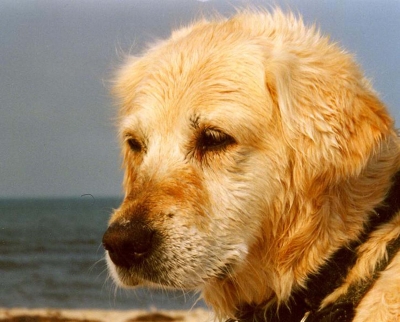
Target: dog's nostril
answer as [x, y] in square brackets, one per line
[128, 244]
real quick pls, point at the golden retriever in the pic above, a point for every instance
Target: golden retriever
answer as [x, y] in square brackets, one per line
[260, 169]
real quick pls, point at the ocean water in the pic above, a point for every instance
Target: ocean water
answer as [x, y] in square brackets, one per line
[51, 256]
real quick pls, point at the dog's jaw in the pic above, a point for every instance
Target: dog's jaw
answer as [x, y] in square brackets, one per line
[180, 262]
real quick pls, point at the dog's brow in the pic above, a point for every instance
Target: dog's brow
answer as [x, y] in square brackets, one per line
[128, 124]
[130, 128]
[194, 121]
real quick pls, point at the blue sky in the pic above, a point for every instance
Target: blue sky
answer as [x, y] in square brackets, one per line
[56, 131]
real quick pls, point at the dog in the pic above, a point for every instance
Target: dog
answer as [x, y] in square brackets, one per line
[261, 169]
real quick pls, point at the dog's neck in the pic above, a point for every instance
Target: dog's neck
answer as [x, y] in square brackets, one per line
[275, 277]
[304, 304]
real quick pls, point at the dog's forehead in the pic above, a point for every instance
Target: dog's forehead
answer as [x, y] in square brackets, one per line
[222, 83]
[225, 94]
[227, 116]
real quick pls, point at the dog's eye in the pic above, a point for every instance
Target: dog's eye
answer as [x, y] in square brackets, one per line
[214, 140]
[134, 144]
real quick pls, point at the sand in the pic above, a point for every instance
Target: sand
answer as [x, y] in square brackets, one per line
[63, 315]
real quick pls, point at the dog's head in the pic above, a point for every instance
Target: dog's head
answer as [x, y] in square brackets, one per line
[227, 128]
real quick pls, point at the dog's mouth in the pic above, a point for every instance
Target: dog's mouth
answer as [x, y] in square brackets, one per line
[131, 277]
[149, 277]
[140, 275]
[138, 255]
[170, 274]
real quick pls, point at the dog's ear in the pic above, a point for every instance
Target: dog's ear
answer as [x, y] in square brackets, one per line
[329, 114]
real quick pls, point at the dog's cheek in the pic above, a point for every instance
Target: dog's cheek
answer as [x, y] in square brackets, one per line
[192, 255]
[232, 220]
[249, 213]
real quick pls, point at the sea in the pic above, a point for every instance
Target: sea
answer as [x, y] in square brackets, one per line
[51, 256]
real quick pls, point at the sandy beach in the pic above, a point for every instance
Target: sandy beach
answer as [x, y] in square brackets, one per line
[63, 315]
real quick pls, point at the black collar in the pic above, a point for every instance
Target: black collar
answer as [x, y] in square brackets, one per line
[304, 304]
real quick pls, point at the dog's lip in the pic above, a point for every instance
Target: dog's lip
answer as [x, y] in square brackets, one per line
[126, 278]
[131, 279]
[225, 271]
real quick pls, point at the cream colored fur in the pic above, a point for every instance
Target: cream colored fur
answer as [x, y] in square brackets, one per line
[314, 152]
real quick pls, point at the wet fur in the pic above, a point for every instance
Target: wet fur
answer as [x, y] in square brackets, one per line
[314, 154]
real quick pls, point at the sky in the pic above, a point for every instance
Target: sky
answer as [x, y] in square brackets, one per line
[57, 134]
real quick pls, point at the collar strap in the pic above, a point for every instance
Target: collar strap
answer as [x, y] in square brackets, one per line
[304, 303]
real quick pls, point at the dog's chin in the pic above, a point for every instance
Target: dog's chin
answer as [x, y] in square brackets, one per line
[129, 278]
[121, 278]
[125, 278]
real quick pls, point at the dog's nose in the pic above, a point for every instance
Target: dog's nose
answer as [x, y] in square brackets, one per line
[129, 243]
